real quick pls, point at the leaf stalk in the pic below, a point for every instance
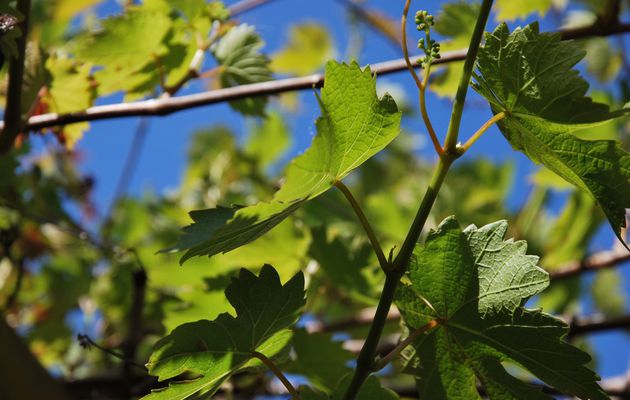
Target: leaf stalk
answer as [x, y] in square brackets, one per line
[382, 363]
[378, 250]
[496, 118]
[269, 364]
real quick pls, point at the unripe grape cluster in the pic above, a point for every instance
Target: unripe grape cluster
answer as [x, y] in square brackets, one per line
[431, 48]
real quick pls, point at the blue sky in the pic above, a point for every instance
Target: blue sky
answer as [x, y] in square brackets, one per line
[162, 159]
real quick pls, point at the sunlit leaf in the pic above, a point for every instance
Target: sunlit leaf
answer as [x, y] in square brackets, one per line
[529, 76]
[355, 125]
[474, 284]
[308, 48]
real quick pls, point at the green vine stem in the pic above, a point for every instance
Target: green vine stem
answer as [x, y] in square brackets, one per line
[13, 110]
[365, 360]
[450, 143]
[385, 266]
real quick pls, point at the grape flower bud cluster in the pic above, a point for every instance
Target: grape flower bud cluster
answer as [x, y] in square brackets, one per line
[431, 49]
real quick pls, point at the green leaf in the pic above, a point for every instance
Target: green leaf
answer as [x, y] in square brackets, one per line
[213, 350]
[308, 49]
[474, 285]
[354, 126]
[509, 10]
[71, 90]
[320, 359]
[529, 76]
[608, 292]
[128, 41]
[238, 54]
[268, 140]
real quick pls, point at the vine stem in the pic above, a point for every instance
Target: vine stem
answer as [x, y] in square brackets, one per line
[385, 266]
[422, 85]
[389, 357]
[496, 118]
[269, 364]
[450, 143]
[13, 110]
[365, 360]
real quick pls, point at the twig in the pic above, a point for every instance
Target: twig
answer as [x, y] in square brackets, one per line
[131, 162]
[86, 342]
[246, 5]
[135, 334]
[159, 107]
[597, 261]
[13, 110]
[597, 323]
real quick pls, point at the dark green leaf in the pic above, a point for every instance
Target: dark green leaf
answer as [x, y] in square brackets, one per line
[529, 76]
[474, 285]
[212, 350]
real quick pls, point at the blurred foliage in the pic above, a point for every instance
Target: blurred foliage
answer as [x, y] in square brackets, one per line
[63, 270]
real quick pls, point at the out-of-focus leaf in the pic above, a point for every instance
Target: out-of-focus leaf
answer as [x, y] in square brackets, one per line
[308, 48]
[213, 350]
[319, 358]
[456, 22]
[602, 60]
[241, 61]
[70, 90]
[509, 10]
[608, 292]
[268, 140]
[126, 42]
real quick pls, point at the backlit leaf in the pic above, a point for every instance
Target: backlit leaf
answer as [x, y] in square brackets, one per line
[309, 47]
[529, 76]
[354, 126]
[213, 350]
[474, 284]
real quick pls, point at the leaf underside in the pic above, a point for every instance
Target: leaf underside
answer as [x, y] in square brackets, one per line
[475, 284]
[529, 76]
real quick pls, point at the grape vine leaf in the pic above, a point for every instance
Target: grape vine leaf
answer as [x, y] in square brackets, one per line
[529, 76]
[475, 284]
[238, 53]
[213, 350]
[355, 124]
